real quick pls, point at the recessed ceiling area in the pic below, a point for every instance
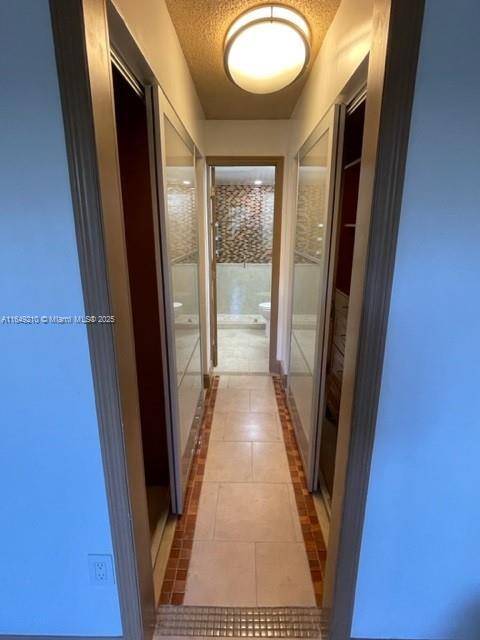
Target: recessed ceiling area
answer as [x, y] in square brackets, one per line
[201, 26]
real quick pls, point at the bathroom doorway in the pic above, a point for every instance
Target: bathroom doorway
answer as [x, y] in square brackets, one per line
[132, 138]
[245, 222]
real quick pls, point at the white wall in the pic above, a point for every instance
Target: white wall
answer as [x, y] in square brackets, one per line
[150, 24]
[247, 137]
[420, 564]
[345, 46]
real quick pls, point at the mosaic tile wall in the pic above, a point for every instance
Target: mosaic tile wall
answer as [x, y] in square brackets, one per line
[310, 214]
[245, 223]
[182, 223]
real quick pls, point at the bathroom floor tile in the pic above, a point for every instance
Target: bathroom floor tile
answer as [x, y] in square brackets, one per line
[233, 364]
[229, 462]
[221, 574]
[270, 462]
[259, 366]
[253, 513]
[253, 427]
[285, 583]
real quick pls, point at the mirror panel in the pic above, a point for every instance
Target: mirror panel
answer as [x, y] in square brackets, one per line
[183, 258]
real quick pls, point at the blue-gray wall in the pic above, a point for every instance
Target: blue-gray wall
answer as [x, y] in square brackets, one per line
[53, 509]
[420, 560]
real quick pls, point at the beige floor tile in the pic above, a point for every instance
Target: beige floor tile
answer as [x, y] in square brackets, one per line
[221, 574]
[249, 382]
[254, 512]
[295, 517]
[205, 526]
[254, 427]
[270, 462]
[262, 401]
[322, 514]
[218, 425]
[259, 365]
[285, 583]
[232, 400]
[229, 462]
[233, 364]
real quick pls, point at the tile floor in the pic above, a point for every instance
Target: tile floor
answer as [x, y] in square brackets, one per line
[242, 350]
[247, 518]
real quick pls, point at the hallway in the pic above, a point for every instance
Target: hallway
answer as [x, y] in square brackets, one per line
[247, 507]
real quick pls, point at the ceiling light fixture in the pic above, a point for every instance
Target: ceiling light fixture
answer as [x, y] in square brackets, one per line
[267, 48]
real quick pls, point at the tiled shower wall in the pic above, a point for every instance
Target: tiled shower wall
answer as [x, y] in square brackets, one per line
[182, 223]
[309, 236]
[241, 288]
[245, 223]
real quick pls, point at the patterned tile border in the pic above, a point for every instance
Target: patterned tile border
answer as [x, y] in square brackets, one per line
[241, 622]
[312, 534]
[174, 583]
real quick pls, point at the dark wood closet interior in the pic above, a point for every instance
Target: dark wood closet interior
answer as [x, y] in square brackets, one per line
[133, 149]
[351, 161]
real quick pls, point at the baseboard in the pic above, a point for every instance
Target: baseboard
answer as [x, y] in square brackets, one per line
[207, 380]
[276, 368]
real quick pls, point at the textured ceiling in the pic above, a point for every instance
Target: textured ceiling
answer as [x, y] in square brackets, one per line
[201, 26]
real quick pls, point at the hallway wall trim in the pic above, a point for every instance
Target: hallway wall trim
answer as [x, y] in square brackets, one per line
[81, 40]
[390, 90]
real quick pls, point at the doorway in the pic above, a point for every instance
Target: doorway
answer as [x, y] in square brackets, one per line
[245, 223]
[133, 151]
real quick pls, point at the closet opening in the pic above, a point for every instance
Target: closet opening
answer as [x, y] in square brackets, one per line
[343, 264]
[133, 149]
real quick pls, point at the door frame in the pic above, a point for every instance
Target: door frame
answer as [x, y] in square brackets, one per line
[278, 162]
[396, 35]
[211, 235]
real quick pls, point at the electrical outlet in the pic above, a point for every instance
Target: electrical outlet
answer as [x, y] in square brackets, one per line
[101, 569]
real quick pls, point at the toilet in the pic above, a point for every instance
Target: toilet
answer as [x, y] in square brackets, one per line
[265, 308]
[176, 309]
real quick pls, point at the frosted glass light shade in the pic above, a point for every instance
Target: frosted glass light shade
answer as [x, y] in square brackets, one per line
[267, 48]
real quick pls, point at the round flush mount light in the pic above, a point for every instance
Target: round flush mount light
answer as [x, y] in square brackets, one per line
[267, 48]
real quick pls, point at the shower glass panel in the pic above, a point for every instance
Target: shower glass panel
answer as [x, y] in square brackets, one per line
[310, 276]
[183, 257]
